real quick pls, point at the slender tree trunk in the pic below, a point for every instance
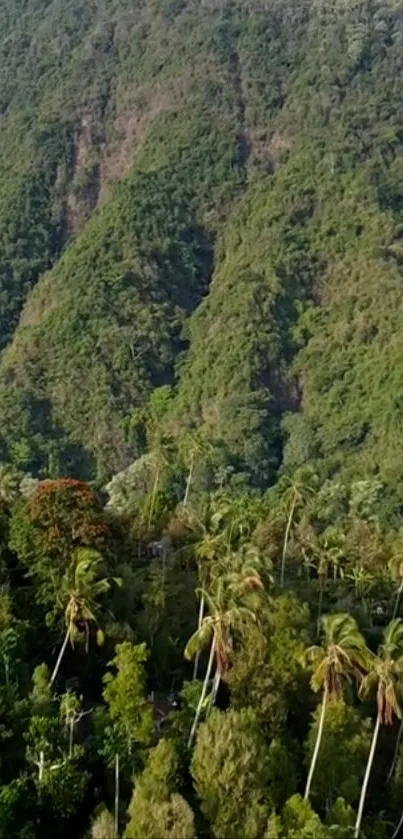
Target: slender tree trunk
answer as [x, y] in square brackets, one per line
[41, 765]
[366, 777]
[320, 604]
[398, 741]
[188, 481]
[117, 778]
[203, 694]
[399, 827]
[153, 497]
[197, 656]
[397, 601]
[59, 658]
[71, 735]
[286, 538]
[216, 685]
[317, 744]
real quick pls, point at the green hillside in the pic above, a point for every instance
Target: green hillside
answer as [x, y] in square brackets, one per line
[207, 197]
[201, 419]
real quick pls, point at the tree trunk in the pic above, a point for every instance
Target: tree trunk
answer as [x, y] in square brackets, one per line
[396, 752]
[60, 657]
[188, 481]
[71, 735]
[397, 601]
[117, 795]
[41, 765]
[216, 685]
[320, 605]
[286, 538]
[197, 656]
[202, 695]
[153, 497]
[399, 827]
[317, 744]
[366, 777]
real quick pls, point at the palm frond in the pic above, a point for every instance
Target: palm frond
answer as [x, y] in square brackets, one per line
[199, 639]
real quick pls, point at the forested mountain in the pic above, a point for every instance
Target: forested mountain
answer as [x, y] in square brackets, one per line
[201, 418]
[206, 197]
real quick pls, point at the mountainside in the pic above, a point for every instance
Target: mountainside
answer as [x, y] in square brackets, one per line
[201, 415]
[207, 197]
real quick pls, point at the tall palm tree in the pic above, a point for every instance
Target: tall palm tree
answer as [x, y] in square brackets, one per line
[81, 587]
[342, 656]
[384, 677]
[296, 494]
[192, 448]
[226, 612]
[210, 545]
[396, 570]
[247, 575]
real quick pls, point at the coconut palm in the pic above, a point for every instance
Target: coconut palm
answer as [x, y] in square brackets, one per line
[210, 545]
[296, 494]
[81, 587]
[226, 612]
[383, 678]
[342, 656]
[396, 570]
[192, 448]
[247, 574]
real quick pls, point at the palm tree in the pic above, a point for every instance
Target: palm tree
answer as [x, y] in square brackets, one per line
[192, 447]
[80, 589]
[364, 581]
[226, 612]
[210, 545]
[342, 656]
[384, 677]
[298, 490]
[246, 575]
[396, 569]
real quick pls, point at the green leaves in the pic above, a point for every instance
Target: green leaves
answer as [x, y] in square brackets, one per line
[230, 755]
[343, 656]
[129, 716]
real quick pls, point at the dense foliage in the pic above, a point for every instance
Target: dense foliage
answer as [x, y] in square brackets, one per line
[230, 665]
[201, 572]
[249, 261]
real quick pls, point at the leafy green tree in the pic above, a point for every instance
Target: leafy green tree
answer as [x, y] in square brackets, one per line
[129, 715]
[300, 820]
[343, 656]
[9, 484]
[48, 528]
[266, 670]
[384, 677]
[103, 825]
[230, 754]
[41, 695]
[18, 810]
[156, 809]
[338, 770]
